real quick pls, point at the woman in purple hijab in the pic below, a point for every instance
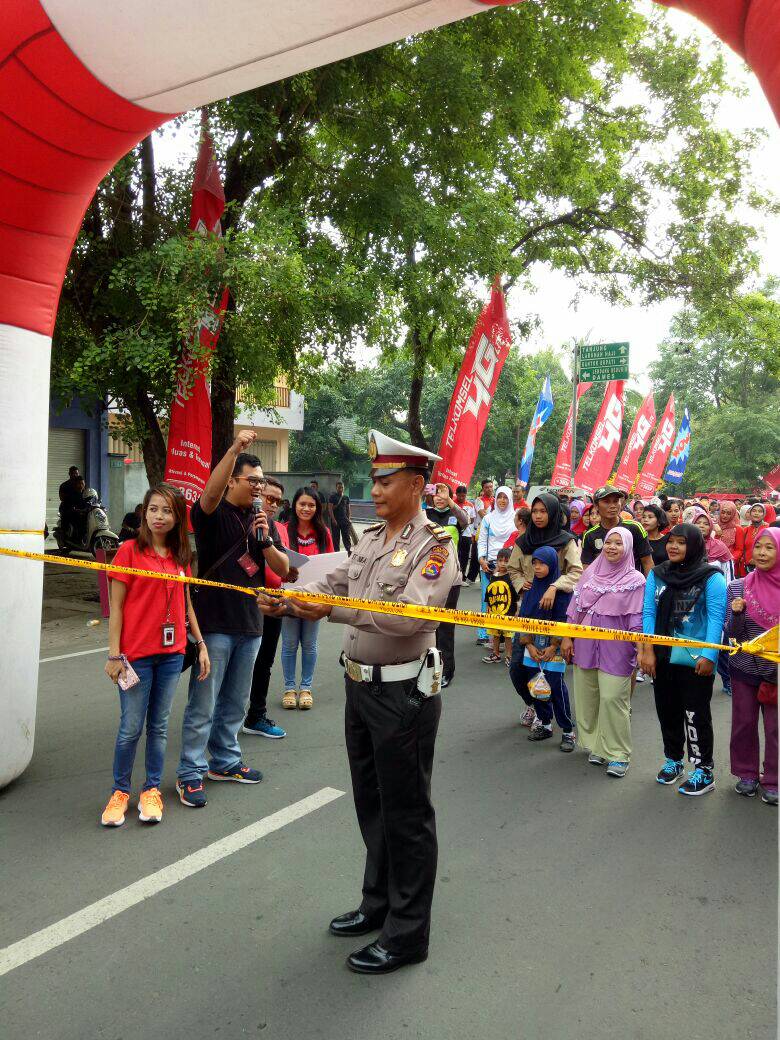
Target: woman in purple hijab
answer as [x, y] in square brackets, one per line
[609, 595]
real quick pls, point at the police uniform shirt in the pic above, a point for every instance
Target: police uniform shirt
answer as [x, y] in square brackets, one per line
[419, 565]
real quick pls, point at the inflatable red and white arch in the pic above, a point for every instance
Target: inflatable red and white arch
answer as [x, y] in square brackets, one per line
[80, 84]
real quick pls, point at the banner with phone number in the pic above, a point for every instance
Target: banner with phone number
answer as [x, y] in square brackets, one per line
[765, 646]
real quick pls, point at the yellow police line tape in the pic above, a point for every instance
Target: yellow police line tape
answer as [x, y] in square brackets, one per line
[764, 646]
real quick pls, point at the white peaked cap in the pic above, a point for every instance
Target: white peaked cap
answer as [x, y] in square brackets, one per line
[389, 455]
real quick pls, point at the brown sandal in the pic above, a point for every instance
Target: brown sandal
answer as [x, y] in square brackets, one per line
[290, 700]
[305, 700]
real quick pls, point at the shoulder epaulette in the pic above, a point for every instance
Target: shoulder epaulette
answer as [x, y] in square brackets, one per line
[439, 533]
[375, 527]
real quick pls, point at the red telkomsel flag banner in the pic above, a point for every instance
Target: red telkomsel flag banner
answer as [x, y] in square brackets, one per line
[635, 445]
[596, 464]
[561, 475]
[772, 478]
[472, 397]
[188, 462]
[653, 469]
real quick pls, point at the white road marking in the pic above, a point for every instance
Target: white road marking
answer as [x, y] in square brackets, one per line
[78, 653]
[35, 945]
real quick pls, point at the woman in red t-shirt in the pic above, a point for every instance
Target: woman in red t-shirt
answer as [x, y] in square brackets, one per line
[308, 535]
[147, 636]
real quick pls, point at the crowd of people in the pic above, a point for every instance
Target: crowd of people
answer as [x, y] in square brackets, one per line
[702, 569]
[158, 629]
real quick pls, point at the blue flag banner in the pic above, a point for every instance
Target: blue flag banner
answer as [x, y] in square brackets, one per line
[544, 408]
[678, 460]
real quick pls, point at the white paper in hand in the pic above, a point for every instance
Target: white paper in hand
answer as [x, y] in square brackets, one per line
[317, 568]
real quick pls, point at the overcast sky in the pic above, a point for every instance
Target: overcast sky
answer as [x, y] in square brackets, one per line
[553, 298]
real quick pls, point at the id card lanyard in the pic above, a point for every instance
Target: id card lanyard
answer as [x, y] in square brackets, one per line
[168, 627]
[245, 562]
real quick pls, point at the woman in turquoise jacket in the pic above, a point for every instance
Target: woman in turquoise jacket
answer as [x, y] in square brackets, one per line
[686, 597]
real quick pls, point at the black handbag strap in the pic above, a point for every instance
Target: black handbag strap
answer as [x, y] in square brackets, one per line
[223, 557]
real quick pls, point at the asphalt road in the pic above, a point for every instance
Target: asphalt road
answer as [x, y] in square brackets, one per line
[568, 905]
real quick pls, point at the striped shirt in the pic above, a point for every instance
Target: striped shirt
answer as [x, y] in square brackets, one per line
[742, 627]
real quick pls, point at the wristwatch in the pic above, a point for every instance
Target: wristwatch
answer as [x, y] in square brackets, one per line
[266, 543]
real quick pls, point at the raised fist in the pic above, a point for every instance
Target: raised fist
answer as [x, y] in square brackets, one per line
[243, 439]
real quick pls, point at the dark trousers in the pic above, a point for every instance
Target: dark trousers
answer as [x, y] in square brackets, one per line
[682, 701]
[339, 531]
[467, 557]
[390, 742]
[558, 704]
[264, 662]
[445, 636]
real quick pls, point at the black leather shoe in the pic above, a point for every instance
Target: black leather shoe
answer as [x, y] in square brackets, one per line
[355, 923]
[376, 960]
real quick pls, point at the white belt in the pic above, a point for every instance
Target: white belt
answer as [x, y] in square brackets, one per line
[387, 672]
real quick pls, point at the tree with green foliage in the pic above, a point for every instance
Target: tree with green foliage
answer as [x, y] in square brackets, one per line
[722, 361]
[374, 198]
[377, 397]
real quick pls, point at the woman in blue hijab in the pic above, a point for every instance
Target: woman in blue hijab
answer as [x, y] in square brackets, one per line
[533, 654]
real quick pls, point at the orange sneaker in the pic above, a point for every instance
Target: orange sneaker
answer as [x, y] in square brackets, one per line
[114, 812]
[150, 806]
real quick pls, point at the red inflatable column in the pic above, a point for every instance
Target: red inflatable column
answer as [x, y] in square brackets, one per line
[61, 131]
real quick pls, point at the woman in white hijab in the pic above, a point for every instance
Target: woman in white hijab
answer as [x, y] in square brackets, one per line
[494, 530]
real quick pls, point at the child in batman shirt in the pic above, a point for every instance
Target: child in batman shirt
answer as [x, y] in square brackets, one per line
[501, 600]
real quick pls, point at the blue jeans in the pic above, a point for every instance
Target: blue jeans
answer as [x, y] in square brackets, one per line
[296, 631]
[148, 701]
[216, 707]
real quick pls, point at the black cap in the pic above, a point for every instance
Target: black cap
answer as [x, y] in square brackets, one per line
[606, 491]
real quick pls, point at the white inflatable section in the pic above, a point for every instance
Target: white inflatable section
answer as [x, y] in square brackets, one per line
[24, 424]
[174, 55]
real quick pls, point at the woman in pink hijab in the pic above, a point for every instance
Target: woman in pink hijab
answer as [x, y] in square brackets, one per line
[728, 522]
[718, 553]
[609, 595]
[754, 608]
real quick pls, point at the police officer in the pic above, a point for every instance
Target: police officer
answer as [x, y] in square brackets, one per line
[393, 675]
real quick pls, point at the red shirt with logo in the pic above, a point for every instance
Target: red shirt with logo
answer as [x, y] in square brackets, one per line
[150, 603]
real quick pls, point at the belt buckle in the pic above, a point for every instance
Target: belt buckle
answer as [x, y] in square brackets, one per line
[353, 670]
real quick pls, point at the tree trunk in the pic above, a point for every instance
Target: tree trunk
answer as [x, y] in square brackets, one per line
[153, 444]
[415, 394]
[223, 394]
[149, 193]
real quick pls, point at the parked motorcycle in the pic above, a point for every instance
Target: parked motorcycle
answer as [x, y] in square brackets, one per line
[95, 531]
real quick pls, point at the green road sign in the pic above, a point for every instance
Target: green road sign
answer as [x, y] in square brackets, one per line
[601, 362]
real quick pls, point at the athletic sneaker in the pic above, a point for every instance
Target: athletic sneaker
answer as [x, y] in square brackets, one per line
[239, 774]
[540, 732]
[640, 676]
[150, 806]
[700, 781]
[596, 760]
[528, 717]
[770, 797]
[264, 727]
[114, 812]
[568, 742]
[491, 658]
[670, 771]
[618, 769]
[747, 788]
[483, 642]
[191, 793]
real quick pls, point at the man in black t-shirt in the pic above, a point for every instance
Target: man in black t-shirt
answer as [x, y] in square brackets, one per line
[339, 517]
[315, 486]
[609, 502]
[233, 546]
